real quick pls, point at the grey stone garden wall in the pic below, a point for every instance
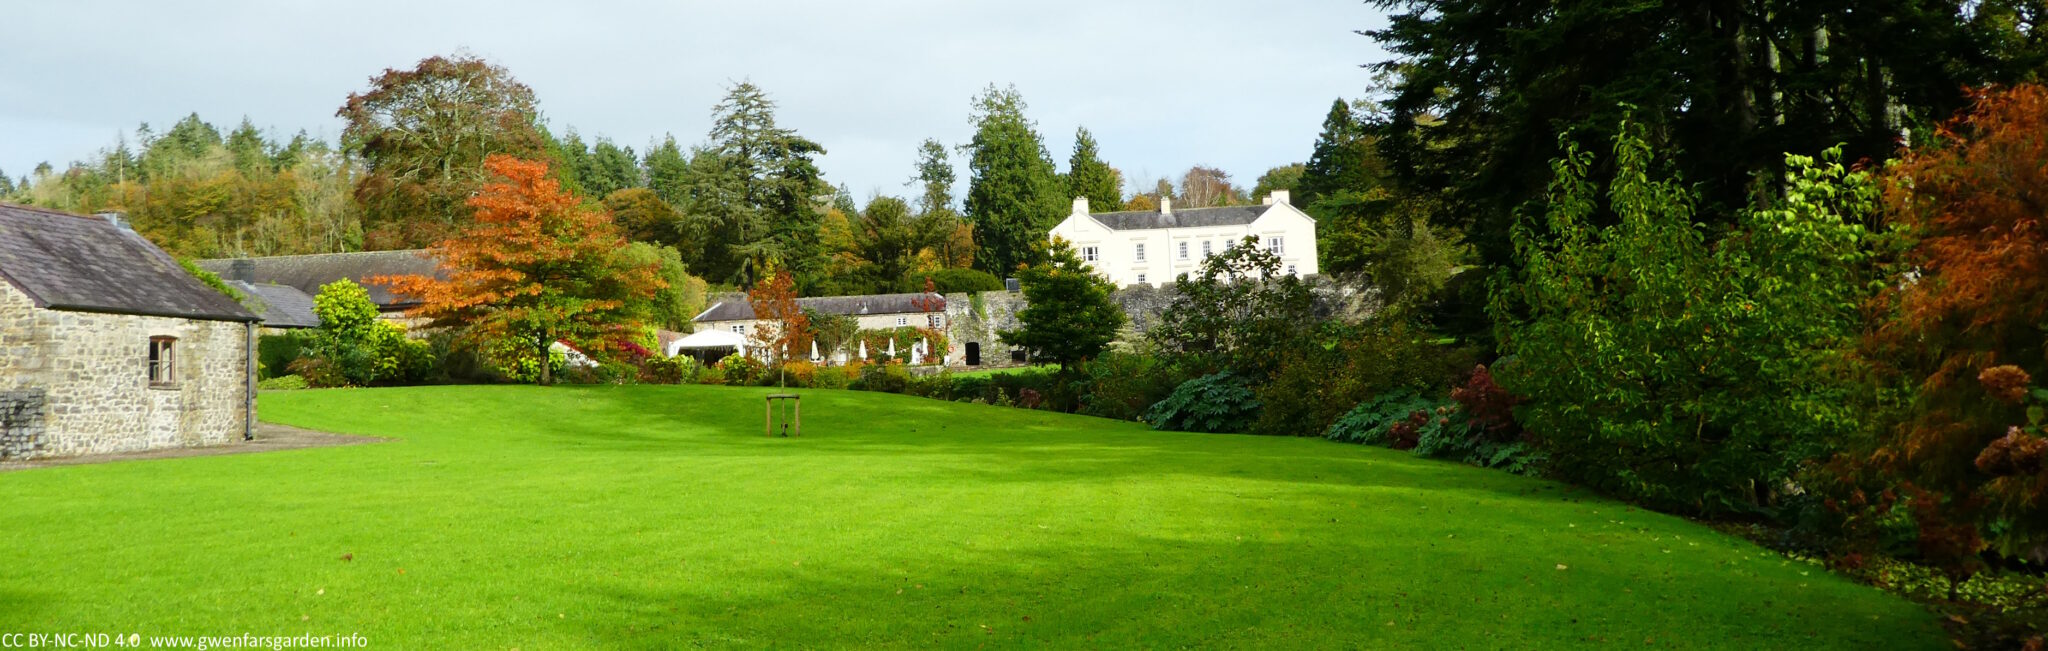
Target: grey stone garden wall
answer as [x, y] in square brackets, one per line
[978, 317]
[90, 374]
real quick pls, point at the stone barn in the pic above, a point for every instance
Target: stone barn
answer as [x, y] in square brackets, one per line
[107, 345]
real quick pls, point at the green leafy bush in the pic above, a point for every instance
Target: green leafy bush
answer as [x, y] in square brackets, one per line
[275, 353]
[282, 383]
[1219, 402]
[830, 378]
[1692, 375]
[360, 348]
[1316, 384]
[739, 370]
[1123, 385]
[1009, 387]
[1373, 422]
[888, 377]
[318, 372]
[1432, 427]
[517, 362]
[666, 370]
[1237, 313]
[604, 372]
[713, 375]
[937, 386]
[973, 387]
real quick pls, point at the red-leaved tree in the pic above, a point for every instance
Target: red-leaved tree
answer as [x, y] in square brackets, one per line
[1966, 324]
[535, 268]
[785, 332]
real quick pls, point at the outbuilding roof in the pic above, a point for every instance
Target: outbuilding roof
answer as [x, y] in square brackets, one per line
[280, 306]
[1133, 220]
[739, 309]
[308, 272]
[95, 264]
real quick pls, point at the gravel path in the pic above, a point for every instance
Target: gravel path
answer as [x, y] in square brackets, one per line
[269, 437]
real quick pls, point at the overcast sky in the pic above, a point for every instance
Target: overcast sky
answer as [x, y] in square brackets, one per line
[1163, 84]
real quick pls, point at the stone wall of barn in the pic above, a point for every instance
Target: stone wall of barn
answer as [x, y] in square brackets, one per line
[74, 383]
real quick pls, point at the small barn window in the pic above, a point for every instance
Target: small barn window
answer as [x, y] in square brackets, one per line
[163, 361]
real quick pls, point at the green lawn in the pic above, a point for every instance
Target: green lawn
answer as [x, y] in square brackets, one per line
[659, 517]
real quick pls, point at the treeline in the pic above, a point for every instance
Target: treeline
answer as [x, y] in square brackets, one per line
[199, 193]
[747, 198]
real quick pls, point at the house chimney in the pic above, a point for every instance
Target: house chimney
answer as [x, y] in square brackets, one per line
[1166, 205]
[1278, 196]
[242, 269]
[1266, 201]
[119, 220]
[1080, 205]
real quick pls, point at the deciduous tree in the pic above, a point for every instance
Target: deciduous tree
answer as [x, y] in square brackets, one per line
[535, 267]
[1690, 373]
[1204, 187]
[785, 334]
[1240, 312]
[423, 135]
[1285, 177]
[1966, 331]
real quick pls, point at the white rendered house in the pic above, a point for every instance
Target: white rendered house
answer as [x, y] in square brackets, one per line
[1149, 248]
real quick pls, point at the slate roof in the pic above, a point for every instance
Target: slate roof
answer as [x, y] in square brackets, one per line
[738, 309]
[280, 306]
[89, 264]
[1133, 220]
[308, 272]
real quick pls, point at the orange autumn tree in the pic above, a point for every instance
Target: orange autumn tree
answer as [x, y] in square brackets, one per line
[537, 267]
[1968, 331]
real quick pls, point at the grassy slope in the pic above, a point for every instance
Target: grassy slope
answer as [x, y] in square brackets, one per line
[655, 517]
